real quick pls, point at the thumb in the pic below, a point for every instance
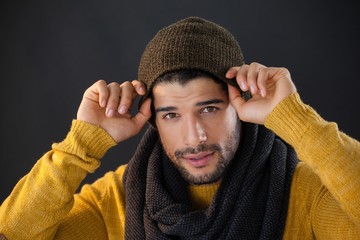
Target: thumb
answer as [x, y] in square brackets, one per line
[144, 113]
[235, 98]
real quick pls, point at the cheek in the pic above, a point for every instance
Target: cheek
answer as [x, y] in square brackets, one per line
[224, 126]
[169, 139]
[232, 118]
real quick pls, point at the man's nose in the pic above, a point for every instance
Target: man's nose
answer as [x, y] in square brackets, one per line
[193, 132]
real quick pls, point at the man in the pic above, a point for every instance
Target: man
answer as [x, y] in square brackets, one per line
[231, 152]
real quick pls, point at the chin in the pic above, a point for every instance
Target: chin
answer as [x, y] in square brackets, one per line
[200, 179]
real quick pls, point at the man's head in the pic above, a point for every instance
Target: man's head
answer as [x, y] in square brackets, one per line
[183, 68]
[198, 127]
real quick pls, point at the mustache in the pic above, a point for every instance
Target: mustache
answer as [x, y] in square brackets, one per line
[200, 148]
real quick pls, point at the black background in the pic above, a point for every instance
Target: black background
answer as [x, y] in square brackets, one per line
[51, 51]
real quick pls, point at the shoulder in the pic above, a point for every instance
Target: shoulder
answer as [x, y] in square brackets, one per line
[120, 170]
[305, 183]
[306, 188]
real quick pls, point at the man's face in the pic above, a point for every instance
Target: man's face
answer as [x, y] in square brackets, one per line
[198, 127]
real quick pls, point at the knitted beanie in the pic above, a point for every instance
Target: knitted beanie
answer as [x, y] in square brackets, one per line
[191, 43]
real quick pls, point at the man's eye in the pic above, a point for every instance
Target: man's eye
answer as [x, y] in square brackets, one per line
[170, 115]
[209, 109]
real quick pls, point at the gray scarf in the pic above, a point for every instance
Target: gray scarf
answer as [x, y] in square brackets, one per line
[250, 203]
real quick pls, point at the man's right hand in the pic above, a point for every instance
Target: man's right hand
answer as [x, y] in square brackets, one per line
[108, 106]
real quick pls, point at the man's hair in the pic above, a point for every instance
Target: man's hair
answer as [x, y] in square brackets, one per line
[182, 77]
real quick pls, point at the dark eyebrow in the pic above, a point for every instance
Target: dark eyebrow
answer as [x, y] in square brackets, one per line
[165, 109]
[209, 102]
[199, 104]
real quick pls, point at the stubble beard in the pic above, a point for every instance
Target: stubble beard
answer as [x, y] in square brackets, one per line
[225, 154]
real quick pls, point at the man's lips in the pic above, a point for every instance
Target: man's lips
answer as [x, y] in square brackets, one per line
[198, 160]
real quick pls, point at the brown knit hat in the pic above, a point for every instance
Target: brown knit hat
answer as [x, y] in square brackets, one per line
[191, 43]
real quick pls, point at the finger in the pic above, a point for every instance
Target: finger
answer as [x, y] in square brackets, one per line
[97, 92]
[144, 114]
[231, 73]
[126, 100]
[252, 76]
[254, 72]
[241, 77]
[113, 100]
[139, 87]
[262, 80]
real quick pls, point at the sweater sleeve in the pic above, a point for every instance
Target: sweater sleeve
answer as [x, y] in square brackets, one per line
[98, 211]
[43, 197]
[332, 155]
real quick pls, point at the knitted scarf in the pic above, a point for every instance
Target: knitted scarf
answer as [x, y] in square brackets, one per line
[250, 203]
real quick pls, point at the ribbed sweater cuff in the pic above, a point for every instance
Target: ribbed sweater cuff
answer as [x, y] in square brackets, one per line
[291, 118]
[87, 141]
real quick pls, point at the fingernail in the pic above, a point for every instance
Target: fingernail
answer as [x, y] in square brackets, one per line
[262, 92]
[243, 86]
[252, 89]
[123, 110]
[109, 112]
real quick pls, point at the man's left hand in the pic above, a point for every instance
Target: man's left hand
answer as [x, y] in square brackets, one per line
[268, 86]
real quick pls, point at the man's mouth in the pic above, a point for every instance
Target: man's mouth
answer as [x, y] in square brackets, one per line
[198, 160]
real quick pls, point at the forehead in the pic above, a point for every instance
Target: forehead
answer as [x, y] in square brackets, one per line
[199, 87]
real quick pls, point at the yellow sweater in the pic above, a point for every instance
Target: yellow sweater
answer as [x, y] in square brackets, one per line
[324, 198]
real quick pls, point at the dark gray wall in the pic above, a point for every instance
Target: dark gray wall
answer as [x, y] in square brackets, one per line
[51, 51]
